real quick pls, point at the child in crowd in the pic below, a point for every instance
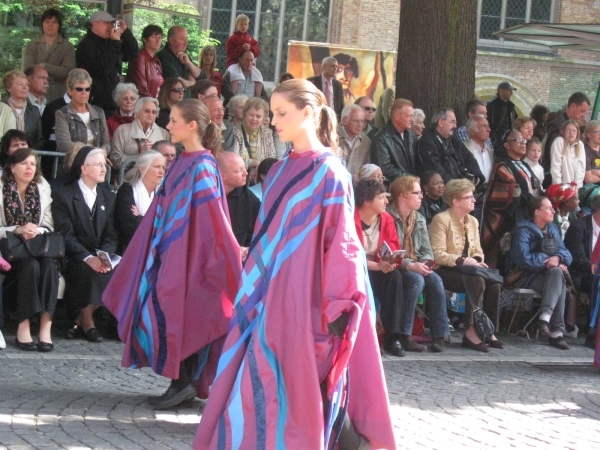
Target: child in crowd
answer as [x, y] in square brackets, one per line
[240, 41]
[532, 158]
[567, 156]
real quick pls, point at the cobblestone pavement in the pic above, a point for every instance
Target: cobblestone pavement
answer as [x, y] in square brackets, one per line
[526, 396]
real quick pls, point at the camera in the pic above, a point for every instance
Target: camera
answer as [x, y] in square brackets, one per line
[116, 24]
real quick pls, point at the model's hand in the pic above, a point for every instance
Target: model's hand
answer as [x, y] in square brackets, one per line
[594, 267]
[244, 252]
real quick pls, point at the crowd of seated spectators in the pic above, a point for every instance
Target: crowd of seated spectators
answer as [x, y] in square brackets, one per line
[466, 205]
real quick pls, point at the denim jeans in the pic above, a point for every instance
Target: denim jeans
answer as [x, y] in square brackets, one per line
[435, 301]
[551, 284]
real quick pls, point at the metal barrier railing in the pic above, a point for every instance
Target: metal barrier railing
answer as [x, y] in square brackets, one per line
[55, 155]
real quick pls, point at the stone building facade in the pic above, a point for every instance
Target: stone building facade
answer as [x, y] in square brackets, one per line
[541, 75]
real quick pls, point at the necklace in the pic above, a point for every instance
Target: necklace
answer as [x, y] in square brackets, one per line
[368, 230]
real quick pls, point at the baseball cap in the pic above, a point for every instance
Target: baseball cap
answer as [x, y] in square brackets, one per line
[506, 85]
[101, 16]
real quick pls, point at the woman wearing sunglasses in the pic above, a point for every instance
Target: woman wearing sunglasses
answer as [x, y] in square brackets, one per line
[511, 186]
[133, 138]
[171, 92]
[79, 121]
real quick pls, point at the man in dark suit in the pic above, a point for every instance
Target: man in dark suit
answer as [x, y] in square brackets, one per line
[332, 88]
[83, 214]
[581, 239]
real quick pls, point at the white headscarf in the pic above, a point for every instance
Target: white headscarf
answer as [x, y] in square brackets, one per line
[366, 171]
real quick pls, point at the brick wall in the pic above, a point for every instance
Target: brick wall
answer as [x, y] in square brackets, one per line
[371, 24]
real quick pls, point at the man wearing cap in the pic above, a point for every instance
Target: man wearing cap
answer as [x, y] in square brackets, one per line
[107, 44]
[501, 111]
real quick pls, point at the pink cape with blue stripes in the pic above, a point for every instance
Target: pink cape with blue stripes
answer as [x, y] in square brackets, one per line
[305, 267]
[173, 291]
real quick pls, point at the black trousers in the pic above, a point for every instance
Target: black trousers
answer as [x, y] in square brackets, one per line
[36, 286]
[478, 292]
[388, 288]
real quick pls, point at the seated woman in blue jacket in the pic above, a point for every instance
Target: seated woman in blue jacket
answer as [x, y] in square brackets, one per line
[539, 260]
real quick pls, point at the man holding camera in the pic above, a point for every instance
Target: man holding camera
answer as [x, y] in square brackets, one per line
[107, 44]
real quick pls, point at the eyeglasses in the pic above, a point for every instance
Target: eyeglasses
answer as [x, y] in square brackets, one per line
[370, 108]
[521, 141]
[471, 198]
[417, 193]
[80, 89]
[130, 99]
[357, 121]
[178, 90]
[218, 110]
[154, 112]
[98, 165]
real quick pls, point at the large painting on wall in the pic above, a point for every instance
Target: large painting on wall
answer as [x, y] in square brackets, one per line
[361, 71]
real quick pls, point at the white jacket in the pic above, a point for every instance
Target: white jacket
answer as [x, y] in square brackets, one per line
[567, 167]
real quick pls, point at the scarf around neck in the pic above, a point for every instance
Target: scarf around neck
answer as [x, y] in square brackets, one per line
[409, 228]
[141, 197]
[14, 104]
[19, 211]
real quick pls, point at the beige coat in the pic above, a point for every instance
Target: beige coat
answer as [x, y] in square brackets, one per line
[126, 138]
[8, 121]
[358, 155]
[58, 60]
[45, 217]
[447, 237]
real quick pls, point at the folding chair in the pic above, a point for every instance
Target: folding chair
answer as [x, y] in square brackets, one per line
[520, 294]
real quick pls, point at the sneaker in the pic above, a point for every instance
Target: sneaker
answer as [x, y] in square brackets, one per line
[2, 341]
[572, 334]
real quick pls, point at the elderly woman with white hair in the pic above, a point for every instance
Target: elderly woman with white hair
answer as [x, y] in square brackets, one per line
[236, 108]
[370, 171]
[125, 95]
[133, 138]
[418, 122]
[136, 194]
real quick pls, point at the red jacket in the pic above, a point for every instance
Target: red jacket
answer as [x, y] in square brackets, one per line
[116, 120]
[234, 49]
[387, 231]
[146, 73]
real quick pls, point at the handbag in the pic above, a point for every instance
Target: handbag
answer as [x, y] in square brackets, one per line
[489, 275]
[483, 325]
[45, 245]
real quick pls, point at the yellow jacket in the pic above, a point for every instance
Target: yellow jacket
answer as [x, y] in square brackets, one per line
[447, 237]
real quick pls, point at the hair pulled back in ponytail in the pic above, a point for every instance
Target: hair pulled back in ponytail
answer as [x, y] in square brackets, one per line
[192, 109]
[303, 93]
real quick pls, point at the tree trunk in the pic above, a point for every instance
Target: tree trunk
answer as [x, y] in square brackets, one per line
[436, 54]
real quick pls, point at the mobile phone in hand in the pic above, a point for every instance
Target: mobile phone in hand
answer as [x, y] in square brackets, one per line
[429, 263]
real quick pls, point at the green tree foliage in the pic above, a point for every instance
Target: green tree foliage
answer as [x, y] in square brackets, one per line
[20, 22]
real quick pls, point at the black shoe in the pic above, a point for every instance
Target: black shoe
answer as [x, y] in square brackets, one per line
[27, 346]
[395, 348]
[559, 342]
[481, 347]
[437, 345]
[543, 327]
[45, 346]
[92, 335]
[173, 397]
[590, 341]
[74, 332]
